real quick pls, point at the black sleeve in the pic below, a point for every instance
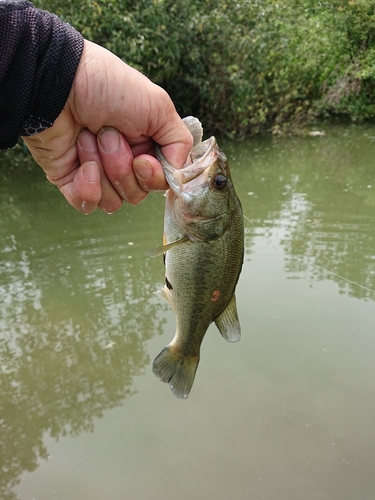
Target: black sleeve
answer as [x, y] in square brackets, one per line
[39, 56]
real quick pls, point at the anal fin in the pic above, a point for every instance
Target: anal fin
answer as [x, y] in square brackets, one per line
[228, 323]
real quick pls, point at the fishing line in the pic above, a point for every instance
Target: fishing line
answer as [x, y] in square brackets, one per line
[310, 263]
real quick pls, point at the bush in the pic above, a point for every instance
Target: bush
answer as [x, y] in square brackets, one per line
[247, 65]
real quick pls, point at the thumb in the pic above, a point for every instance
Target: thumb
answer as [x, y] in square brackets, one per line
[175, 140]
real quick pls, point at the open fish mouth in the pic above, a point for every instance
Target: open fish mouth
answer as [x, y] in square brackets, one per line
[202, 156]
[198, 154]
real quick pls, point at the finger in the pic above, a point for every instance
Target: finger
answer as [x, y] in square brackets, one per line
[146, 147]
[117, 160]
[82, 187]
[87, 147]
[79, 184]
[149, 173]
[170, 132]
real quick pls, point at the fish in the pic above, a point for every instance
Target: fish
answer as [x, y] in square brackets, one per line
[203, 248]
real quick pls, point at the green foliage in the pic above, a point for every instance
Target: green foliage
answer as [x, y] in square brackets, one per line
[247, 65]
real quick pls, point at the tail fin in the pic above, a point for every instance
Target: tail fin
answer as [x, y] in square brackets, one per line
[177, 371]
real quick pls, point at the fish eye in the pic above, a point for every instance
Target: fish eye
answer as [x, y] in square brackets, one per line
[219, 182]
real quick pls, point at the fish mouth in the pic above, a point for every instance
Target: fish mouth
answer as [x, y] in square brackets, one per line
[201, 156]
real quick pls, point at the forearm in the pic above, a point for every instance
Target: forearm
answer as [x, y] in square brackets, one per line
[39, 56]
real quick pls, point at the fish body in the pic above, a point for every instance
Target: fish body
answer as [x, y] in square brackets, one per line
[203, 254]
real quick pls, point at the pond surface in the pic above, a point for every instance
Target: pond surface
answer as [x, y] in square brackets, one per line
[286, 414]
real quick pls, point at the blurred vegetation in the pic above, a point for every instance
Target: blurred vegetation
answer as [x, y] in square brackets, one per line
[243, 66]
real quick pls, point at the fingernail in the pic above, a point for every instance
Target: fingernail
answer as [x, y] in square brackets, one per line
[91, 171]
[109, 139]
[87, 141]
[143, 168]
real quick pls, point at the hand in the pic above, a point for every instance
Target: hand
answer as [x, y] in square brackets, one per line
[99, 151]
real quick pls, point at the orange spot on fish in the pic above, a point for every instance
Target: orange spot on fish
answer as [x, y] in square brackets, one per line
[215, 295]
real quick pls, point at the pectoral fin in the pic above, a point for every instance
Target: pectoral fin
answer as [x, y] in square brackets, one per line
[155, 252]
[228, 322]
[162, 294]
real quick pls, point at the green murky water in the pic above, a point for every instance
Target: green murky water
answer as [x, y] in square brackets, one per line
[286, 414]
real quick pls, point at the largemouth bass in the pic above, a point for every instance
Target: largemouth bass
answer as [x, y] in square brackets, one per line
[203, 254]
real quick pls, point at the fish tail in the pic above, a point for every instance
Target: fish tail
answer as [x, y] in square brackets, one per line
[176, 370]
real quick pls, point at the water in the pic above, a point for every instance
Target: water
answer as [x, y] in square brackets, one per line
[287, 414]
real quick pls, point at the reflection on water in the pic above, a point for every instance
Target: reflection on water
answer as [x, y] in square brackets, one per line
[69, 345]
[319, 195]
[78, 315]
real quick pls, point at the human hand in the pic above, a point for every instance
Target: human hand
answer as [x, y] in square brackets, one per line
[99, 151]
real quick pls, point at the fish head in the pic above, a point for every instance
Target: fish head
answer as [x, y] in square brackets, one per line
[201, 198]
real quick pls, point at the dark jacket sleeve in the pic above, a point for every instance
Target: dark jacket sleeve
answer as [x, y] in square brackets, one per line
[39, 56]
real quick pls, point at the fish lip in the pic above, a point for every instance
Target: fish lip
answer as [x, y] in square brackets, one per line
[179, 178]
[211, 142]
[193, 170]
[187, 170]
[184, 180]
